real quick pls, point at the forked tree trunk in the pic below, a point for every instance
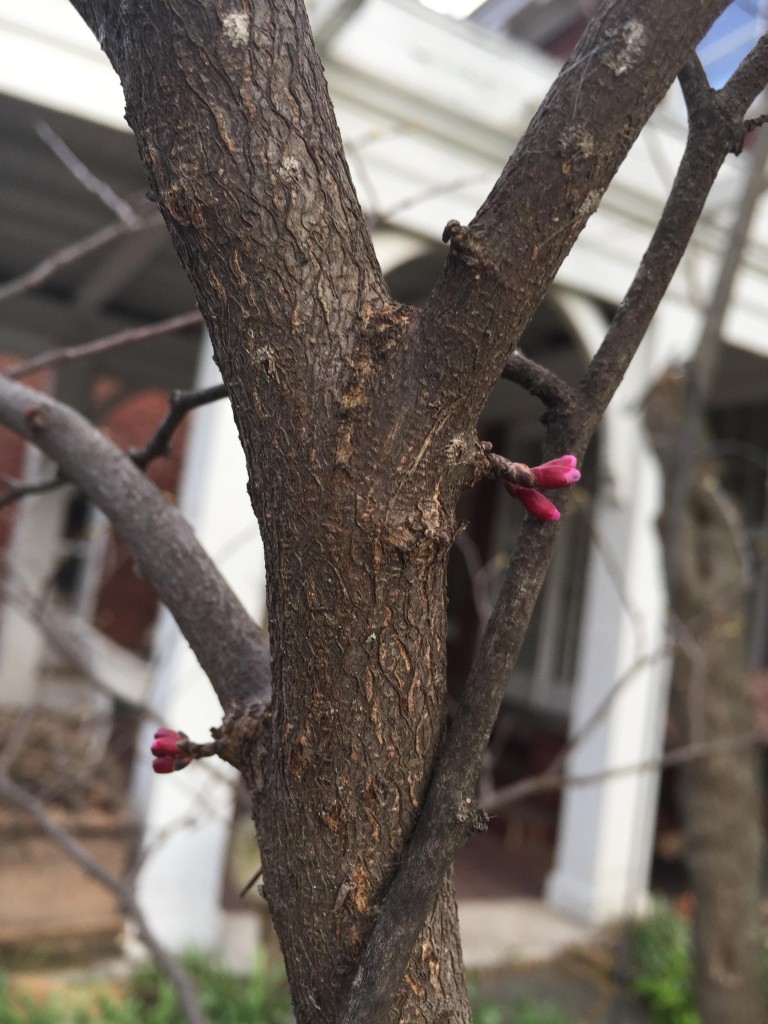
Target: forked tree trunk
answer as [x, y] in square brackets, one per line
[358, 420]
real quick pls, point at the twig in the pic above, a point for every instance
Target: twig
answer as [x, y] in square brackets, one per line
[539, 381]
[53, 357]
[604, 706]
[124, 211]
[479, 577]
[749, 78]
[513, 472]
[755, 122]
[16, 489]
[697, 92]
[614, 571]
[152, 846]
[70, 253]
[181, 403]
[551, 779]
[250, 883]
[175, 973]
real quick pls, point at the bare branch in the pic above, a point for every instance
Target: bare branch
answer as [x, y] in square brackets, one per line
[694, 83]
[603, 707]
[71, 253]
[229, 645]
[553, 779]
[702, 369]
[539, 381]
[755, 122]
[503, 262]
[715, 129]
[750, 77]
[175, 973]
[14, 490]
[181, 403]
[54, 357]
[124, 211]
[250, 883]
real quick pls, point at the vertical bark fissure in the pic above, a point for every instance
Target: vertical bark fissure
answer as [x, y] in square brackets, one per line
[358, 715]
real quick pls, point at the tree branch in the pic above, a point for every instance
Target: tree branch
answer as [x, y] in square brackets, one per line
[448, 816]
[703, 366]
[181, 403]
[749, 78]
[500, 266]
[122, 209]
[539, 381]
[14, 490]
[552, 779]
[755, 122]
[230, 647]
[131, 335]
[716, 129]
[70, 253]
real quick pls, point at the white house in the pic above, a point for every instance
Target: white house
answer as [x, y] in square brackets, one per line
[430, 108]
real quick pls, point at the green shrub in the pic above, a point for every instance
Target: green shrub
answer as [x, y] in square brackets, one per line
[149, 998]
[24, 1010]
[224, 998]
[539, 1013]
[663, 967]
[524, 1011]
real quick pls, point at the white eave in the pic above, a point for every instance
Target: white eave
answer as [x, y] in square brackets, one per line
[49, 56]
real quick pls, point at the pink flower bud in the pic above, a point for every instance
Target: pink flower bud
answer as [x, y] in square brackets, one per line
[534, 502]
[169, 757]
[560, 472]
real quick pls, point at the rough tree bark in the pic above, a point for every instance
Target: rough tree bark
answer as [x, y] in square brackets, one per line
[357, 417]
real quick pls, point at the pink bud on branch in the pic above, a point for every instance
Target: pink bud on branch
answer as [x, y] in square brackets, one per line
[170, 751]
[518, 477]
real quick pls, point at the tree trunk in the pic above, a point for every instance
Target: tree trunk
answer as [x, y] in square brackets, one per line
[359, 712]
[710, 702]
[720, 794]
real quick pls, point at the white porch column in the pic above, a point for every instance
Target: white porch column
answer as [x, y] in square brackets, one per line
[31, 560]
[187, 815]
[605, 835]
